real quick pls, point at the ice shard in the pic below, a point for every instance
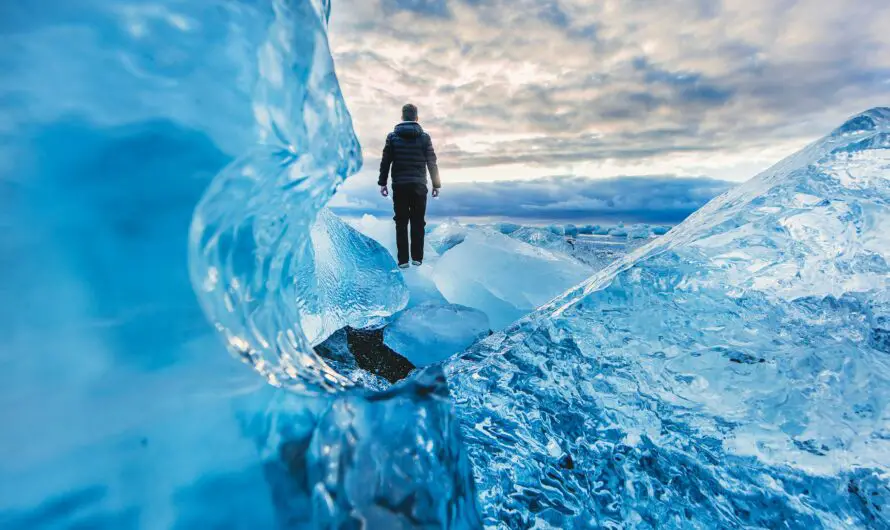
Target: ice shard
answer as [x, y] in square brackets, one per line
[733, 373]
[120, 407]
[350, 280]
[431, 332]
[490, 271]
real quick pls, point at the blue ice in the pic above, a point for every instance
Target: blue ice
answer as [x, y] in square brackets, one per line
[163, 168]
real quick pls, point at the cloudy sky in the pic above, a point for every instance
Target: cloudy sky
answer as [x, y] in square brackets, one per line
[528, 100]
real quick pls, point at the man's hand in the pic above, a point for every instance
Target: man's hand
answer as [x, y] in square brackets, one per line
[384, 191]
[435, 192]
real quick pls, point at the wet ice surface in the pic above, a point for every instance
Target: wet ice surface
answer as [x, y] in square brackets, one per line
[733, 373]
[120, 406]
[503, 277]
[351, 280]
[430, 332]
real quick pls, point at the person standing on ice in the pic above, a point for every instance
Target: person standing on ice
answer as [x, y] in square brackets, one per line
[409, 152]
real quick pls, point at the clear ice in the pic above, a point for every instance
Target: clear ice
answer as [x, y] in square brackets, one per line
[730, 374]
[430, 332]
[120, 407]
[490, 271]
[350, 280]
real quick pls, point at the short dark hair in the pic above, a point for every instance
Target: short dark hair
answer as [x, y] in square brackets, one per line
[409, 112]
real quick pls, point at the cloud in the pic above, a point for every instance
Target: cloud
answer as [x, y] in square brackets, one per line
[640, 85]
[653, 199]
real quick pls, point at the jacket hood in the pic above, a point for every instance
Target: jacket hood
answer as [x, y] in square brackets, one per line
[408, 129]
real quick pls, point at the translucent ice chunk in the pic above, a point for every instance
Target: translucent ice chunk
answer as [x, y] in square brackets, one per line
[120, 407]
[419, 281]
[352, 280]
[490, 271]
[447, 235]
[431, 332]
[737, 365]
[543, 238]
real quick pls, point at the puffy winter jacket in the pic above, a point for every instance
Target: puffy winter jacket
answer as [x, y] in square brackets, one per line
[410, 152]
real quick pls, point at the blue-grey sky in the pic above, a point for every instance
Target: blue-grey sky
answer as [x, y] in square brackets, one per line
[514, 90]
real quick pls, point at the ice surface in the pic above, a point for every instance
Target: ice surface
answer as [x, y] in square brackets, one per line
[507, 228]
[544, 238]
[120, 408]
[352, 280]
[639, 232]
[490, 271]
[393, 461]
[594, 251]
[431, 332]
[732, 373]
[447, 235]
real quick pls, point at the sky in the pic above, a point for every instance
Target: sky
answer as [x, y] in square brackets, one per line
[551, 109]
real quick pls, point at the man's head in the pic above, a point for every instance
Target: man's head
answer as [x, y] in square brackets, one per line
[409, 112]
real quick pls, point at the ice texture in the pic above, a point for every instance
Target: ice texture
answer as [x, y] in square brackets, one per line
[543, 238]
[431, 332]
[503, 277]
[120, 407]
[447, 235]
[507, 228]
[592, 250]
[732, 373]
[393, 459]
[351, 280]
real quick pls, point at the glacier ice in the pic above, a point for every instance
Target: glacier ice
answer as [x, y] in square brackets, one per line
[447, 235]
[733, 373]
[393, 459]
[489, 271]
[592, 250]
[507, 228]
[429, 333]
[351, 280]
[543, 238]
[730, 374]
[120, 407]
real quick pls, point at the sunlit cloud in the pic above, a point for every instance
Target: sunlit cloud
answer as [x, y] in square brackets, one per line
[521, 89]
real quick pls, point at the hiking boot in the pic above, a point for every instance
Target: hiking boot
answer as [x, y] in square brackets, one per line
[403, 265]
[416, 263]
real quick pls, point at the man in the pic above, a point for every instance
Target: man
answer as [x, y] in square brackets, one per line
[410, 152]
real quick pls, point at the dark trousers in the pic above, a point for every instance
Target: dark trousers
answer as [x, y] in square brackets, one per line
[409, 203]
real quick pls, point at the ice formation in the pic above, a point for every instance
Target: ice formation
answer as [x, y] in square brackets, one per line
[543, 238]
[730, 374]
[490, 271]
[121, 409]
[430, 332]
[351, 280]
[447, 235]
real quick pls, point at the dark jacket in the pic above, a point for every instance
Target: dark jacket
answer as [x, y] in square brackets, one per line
[410, 152]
